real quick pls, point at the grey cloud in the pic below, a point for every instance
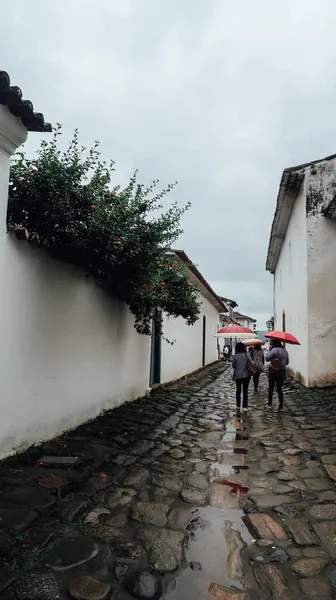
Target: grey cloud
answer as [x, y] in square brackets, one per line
[219, 95]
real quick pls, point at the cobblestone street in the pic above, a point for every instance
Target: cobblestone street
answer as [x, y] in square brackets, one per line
[174, 497]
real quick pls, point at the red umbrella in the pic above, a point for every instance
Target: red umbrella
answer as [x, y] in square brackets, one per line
[288, 338]
[255, 342]
[235, 331]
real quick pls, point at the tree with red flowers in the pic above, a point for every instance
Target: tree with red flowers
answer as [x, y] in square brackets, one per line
[121, 237]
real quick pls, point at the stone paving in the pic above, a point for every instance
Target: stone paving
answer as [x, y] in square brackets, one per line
[174, 497]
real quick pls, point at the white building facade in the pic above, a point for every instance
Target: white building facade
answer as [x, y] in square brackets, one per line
[302, 257]
[69, 350]
[244, 320]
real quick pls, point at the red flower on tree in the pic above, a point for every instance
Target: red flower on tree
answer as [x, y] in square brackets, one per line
[118, 240]
[93, 206]
[162, 284]
[174, 265]
[160, 266]
[144, 286]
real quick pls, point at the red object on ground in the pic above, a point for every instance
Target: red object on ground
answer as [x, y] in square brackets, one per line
[288, 338]
[53, 482]
[236, 487]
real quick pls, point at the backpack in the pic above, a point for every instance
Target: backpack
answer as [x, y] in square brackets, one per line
[250, 368]
[276, 366]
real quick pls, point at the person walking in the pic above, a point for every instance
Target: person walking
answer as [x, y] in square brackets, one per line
[241, 363]
[226, 353]
[279, 359]
[258, 358]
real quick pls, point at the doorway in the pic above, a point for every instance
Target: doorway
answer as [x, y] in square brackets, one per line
[204, 341]
[155, 358]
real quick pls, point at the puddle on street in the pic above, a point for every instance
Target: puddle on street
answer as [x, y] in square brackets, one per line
[209, 548]
[240, 437]
[229, 436]
[218, 470]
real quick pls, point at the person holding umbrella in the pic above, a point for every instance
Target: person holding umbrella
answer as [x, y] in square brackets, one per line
[243, 368]
[258, 358]
[279, 359]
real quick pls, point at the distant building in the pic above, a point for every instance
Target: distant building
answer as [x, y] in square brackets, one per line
[302, 257]
[244, 320]
[226, 317]
[231, 317]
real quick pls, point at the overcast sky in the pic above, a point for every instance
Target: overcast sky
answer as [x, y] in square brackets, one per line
[220, 95]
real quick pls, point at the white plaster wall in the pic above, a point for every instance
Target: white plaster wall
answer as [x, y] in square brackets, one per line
[290, 287]
[321, 249]
[4, 175]
[245, 323]
[185, 355]
[68, 349]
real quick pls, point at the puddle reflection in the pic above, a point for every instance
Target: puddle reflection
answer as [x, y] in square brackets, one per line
[220, 470]
[209, 548]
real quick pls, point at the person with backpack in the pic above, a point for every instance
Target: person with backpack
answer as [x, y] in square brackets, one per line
[258, 358]
[279, 359]
[243, 368]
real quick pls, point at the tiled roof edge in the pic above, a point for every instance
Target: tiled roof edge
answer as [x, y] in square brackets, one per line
[11, 96]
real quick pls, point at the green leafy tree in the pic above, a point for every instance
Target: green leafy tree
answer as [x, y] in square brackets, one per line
[121, 237]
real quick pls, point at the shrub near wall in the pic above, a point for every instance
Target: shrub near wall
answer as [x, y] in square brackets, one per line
[65, 202]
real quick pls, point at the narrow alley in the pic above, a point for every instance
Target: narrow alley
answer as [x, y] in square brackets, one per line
[173, 497]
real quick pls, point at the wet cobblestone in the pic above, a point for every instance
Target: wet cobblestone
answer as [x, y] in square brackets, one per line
[172, 480]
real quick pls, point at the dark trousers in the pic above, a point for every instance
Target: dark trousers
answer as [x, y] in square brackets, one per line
[242, 383]
[256, 378]
[275, 379]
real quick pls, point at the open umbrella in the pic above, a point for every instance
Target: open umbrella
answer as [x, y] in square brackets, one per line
[288, 338]
[235, 332]
[253, 342]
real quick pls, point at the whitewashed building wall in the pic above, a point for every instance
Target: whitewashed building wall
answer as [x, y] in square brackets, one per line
[321, 257]
[186, 354]
[290, 287]
[304, 279]
[68, 349]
